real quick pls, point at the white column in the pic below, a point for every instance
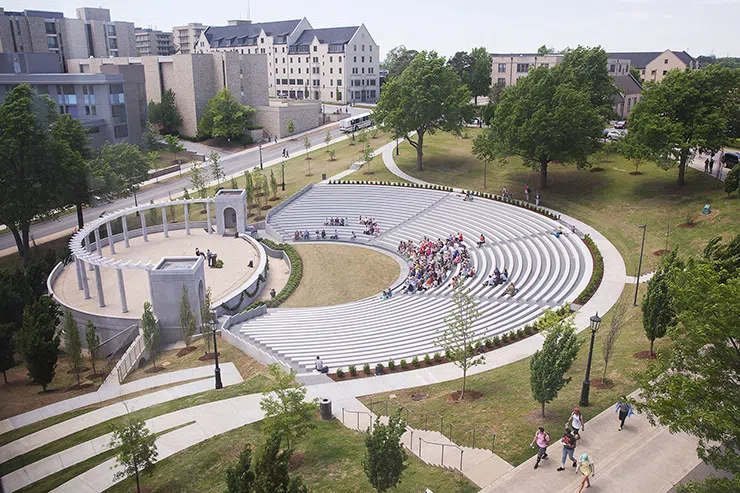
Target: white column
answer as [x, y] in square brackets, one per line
[80, 273]
[208, 215]
[143, 226]
[111, 243]
[187, 219]
[85, 285]
[99, 285]
[98, 250]
[87, 246]
[124, 224]
[164, 222]
[122, 291]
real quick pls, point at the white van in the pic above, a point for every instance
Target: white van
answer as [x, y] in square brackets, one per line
[354, 123]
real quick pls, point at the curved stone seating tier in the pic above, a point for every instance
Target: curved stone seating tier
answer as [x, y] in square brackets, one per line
[548, 272]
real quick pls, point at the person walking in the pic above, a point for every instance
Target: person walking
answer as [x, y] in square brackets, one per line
[576, 421]
[624, 410]
[537, 199]
[711, 165]
[569, 446]
[706, 165]
[542, 439]
[586, 469]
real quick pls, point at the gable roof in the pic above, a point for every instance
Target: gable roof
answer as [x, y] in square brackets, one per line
[329, 35]
[240, 33]
[640, 59]
[627, 84]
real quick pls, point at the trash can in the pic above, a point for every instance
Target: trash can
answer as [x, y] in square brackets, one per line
[325, 409]
[323, 176]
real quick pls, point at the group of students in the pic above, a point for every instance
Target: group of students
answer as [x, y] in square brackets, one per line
[527, 194]
[336, 221]
[320, 235]
[432, 260]
[573, 428]
[371, 226]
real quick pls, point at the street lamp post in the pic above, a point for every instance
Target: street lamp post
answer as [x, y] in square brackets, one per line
[217, 371]
[396, 146]
[595, 322]
[282, 165]
[639, 265]
[261, 157]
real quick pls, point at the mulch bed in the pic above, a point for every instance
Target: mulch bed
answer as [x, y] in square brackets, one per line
[535, 416]
[420, 396]
[155, 369]
[185, 351]
[79, 387]
[635, 173]
[273, 199]
[296, 460]
[660, 253]
[470, 395]
[93, 376]
[644, 355]
[82, 370]
[266, 207]
[596, 169]
[687, 225]
[597, 384]
[208, 357]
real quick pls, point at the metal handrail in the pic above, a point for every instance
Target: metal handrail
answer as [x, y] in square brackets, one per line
[443, 445]
[463, 431]
[408, 411]
[358, 417]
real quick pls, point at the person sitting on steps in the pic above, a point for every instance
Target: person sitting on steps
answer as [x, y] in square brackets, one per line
[482, 240]
[320, 367]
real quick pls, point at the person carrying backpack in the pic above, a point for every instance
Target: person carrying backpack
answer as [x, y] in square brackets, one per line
[569, 446]
[542, 439]
[624, 410]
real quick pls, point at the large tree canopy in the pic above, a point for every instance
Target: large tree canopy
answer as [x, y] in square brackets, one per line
[480, 73]
[70, 134]
[225, 117]
[397, 59]
[118, 169]
[428, 96]
[165, 113]
[684, 111]
[553, 114]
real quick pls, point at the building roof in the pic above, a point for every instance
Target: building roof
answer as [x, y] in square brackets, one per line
[329, 35]
[640, 59]
[241, 32]
[627, 84]
[524, 54]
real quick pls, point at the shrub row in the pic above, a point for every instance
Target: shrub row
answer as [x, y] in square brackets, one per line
[597, 275]
[296, 273]
[391, 184]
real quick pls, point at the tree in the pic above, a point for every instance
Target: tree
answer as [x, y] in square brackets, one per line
[15, 294]
[385, 458]
[187, 320]
[480, 73]
[197, 181]
[332, 154]
[693, 388]
[73, 344]
[552, 114]
[249, 188]
[615, 329]
[38, 340]
[206, 319]
[93, 343]
[549, 365]
[240, 476]
[71, 136]
[367, 156]
[732, 180]
[273, 185]
[458, 339]
[7, 348]
[657, 312]
[635, 73]
[290, 127]
[307, 146]
[30, 174]
[165, 113]
[118, 169]
[425, 98]
[137, 450]
[150, 332]
[462, 64]
[173, 145]
[544, 50]
[327, 138]
[268, 474]
[149, 139]
[686, 110]
[216, 170]
[225, 117]
[287, 414]
[494, 97]
[397, 59]
[711, 485]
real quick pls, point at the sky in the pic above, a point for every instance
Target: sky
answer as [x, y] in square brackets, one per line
[700, 27]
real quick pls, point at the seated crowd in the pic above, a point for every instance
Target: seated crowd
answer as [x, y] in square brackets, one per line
[371, 226]
[432, 261]
[336, 221]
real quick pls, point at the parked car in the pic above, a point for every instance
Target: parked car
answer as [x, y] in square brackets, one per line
[614, 135]
[730, 159]
[621, 125]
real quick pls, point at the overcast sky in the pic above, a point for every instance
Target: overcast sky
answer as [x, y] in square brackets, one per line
[697, 26]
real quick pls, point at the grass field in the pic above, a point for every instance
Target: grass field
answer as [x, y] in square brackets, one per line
[613, 201]
[507, 407]
[335, 274]
[332, 462]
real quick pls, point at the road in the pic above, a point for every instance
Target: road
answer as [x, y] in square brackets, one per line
[231, 164]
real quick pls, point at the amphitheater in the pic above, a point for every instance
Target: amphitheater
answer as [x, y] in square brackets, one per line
[549, 272]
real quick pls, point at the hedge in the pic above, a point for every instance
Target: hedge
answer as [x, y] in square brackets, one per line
[597, 275]
[391, 184]
[296, 273]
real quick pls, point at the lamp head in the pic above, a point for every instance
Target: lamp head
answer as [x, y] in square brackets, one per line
[595, 322]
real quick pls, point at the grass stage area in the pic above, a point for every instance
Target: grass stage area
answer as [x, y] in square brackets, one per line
[613, 201]
[335, 274]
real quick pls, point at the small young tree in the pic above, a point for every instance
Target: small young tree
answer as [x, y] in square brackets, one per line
[39, 342]
[273, 185]
[7, 348]
[174, 146]
[137, 450]
[165, 113]
[73, 343]
[332, 154]
[149, 139]
[197, 181]
[249, 188]
[307, 146]
[549, 365]
[615, 329]
[290, 127]
[187, 320]
[367, 156]
[234, 184]
[657, 310]
[287, 414]
[458, 339]
[150, 332]
[93, 342]
[205, 319]
[374, 133]
[385, 458]
[268, 474]
[240, 476]
[327, 138]
[216, 170]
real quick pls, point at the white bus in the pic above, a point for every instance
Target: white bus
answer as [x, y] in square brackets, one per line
[354, 123]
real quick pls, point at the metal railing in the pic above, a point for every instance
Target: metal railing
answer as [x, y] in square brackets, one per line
[130, 357]
[443, 445]
[455, 431]
[358, 413]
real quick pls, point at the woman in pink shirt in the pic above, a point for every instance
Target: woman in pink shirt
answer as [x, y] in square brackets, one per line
[542, 439]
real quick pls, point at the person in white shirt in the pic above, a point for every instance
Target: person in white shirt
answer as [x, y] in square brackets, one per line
[320, 366]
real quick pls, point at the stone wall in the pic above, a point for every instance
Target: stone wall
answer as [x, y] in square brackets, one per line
[274, 118]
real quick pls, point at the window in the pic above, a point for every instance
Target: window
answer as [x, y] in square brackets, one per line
[340, 59]
[522, 67]
[299, 82]
[331, 59]
[66, 94]
[331, 82]
[339, 82]
[51, 42]
[363, 70]
[291, 71]
[371, 47]
[363, 59]
[315, 48]
[355, 47]
[501, 80]
[93, 130]
[339, 96]
[91, 110]
[262, 50]
[116, 93]
[316, 82]
[291, 59]
[315, 59]
[372, 94]
[275, 59]
[299, 70]
[120, 131]
[665, 72]
[113, 44]
[285, 82]
[665, 60]
[371, 59]
[652, 72]
[340, 70]
[277, 82]
[331, 70]
[88, 94]
[111, 30]
[118, 112]
[370, 70]
[262, 40]
[51, 27]
[291, 82]
[363, 47]
[612, 68]
[355, 59]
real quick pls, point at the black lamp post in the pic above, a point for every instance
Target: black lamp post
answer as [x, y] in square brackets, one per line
[396, 146]
[595, 322]
[217, 371]
[261, 157]
[639, 265]
[282, 165]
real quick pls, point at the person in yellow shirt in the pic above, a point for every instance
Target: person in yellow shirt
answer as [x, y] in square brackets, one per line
[586, 468]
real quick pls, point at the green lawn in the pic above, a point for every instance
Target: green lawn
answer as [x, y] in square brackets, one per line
[507, 406]
[332, 463]
[612, 201]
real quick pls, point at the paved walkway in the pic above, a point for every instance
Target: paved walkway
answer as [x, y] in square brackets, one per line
[718, 171]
